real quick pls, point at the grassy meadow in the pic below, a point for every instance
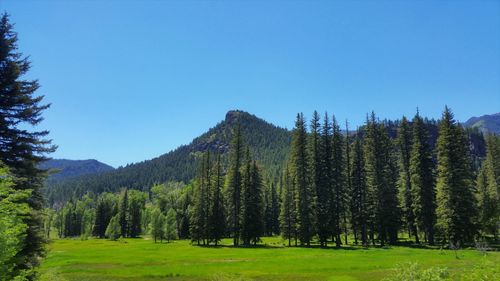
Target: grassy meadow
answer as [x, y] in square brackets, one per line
[141, 259]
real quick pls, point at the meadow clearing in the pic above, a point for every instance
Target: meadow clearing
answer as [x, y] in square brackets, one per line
[141, 259]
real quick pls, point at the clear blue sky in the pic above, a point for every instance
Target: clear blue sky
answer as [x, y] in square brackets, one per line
[130, 80]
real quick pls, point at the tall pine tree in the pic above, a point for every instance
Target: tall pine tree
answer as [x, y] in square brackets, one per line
[324, 185]
[359, 194]
[422, 180]
[456, 210]
[216, 221]
[22, 150]
[404, 182]
[301, 176]
[234, 183]
[288, 210]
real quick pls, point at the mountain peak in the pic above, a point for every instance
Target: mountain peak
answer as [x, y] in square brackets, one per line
[234, 115]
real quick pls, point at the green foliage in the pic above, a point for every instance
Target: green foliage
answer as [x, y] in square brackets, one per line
[456, 209]
[157, 225]
[22, 149]
[233, 184]
[413, 272]
[13, 229]
[216, 217]
[170, 226]
[404, 144]
[483, 271]
[380, 179]
[252, 223]
[423, 189]
[288, 208]
[359, 194]
[113, 231]
[488, 187]
[300, 171]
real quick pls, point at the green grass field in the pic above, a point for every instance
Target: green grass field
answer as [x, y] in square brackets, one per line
[140, 259]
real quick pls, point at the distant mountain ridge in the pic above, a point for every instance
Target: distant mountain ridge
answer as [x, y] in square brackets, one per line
[486, 123]
[60, 169]
[269, 145]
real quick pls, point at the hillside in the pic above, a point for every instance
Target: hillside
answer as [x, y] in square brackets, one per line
[268, 143]
[61, 169]
[485, 123]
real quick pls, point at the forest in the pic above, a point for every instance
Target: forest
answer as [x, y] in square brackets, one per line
[362, 187]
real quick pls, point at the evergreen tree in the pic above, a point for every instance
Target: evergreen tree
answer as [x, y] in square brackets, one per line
[301, 177]
[136, 205]
[104, 212]
[339, 193]
[422, 180]
[234, 183]
[199, 216]
[275, 211]
[251, 205]
[380, 181]
[488, 187]
[288, 211]
[170, 225]
[123, 213]
[21, 149]
[348, 187]
[404, 144]
[456, 210]
[217, 219]
[113, 231]
[324, 185]
[359, 196]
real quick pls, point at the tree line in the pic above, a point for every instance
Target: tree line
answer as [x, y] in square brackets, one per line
[362, 188]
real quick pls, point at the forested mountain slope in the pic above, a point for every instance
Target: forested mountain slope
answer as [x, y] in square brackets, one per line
[268, 143]
[61, 169]
[485, 123]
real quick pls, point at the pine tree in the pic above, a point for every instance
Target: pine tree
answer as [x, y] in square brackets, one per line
[348, 187]
[251, 205]
[456, 210]
[123, 213]
[359, 195]
[321, 165]
[104, 212]
[198, 222]
[21, 149]
[275, 211]
[234, 183]
[422, 180]
[404, 144]
[301, 176]
[288, 211]
[488, 187]
[338, 180]
[382, 190]
[217, 219]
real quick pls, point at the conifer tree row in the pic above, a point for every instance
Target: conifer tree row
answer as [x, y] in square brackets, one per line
[332, 185]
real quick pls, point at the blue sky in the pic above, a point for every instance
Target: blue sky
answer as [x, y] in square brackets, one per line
[130, 80]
